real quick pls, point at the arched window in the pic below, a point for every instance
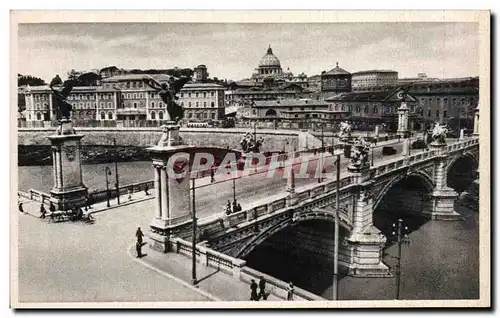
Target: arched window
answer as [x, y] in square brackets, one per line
[103, 116]
[135, 105]
[38, 116]
[109, 104]
[160, 115]
[128, 84]
[153, 115]
[190, 115]
[204, 104]
[29, 116]
[375, 110]
[160, 104]
[135, 96]
[213, 115]
[153, 105]
[89, 114]
[212, 104]
[271, 112]
[197, 104]
[110, 115]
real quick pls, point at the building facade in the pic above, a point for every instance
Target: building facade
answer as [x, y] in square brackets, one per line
[200, 73]
[126, 98]
[202, 101]
[335, 81]
[367, 109]
[373, 78]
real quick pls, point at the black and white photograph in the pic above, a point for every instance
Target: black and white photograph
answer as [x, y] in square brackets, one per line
[231, 160]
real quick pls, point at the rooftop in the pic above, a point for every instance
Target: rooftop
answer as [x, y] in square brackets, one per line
[374, 71]
[202, 85]
[337, 71]
[136, 77]
[289, 103]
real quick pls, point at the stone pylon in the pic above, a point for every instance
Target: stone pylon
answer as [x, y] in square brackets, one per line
[171, 168]
[68, 190]
[403, 113]
[292, 196]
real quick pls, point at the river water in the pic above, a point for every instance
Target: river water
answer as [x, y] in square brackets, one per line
[41, 177]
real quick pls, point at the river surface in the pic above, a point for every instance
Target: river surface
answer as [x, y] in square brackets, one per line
[41, 177]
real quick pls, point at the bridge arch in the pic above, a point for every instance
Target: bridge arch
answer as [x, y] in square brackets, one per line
[247, 247]
[423, 177]
[461, 171]
[404, 197]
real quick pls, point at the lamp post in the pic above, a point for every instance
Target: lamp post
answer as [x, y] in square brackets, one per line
[402, 238]
[117, 185]
[194, 280]
[336, 233]
[234, 189]
[107, 172]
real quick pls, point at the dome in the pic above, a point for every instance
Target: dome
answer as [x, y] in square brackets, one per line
[269, 60]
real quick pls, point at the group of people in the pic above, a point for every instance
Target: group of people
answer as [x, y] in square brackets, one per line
[233, 208]
[262, 294]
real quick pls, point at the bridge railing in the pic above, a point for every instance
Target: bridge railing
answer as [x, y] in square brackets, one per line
[421, 157]
[275, 286]
[101, 195]
[209, 257]
[35, 195]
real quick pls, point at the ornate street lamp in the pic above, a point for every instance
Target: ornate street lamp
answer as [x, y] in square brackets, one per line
[107, 172]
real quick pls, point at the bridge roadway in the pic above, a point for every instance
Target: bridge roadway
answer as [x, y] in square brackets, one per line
[212, 198]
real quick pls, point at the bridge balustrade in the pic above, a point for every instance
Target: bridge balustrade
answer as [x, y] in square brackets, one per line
[209, 257]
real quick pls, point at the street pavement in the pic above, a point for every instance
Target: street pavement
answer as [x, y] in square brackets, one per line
[78, 262]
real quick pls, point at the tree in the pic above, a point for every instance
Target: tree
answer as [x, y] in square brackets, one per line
[23, 80]
[88, 79]
[73, 75]
[56, 81]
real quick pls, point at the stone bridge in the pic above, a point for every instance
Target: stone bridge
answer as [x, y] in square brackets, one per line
[422, 180]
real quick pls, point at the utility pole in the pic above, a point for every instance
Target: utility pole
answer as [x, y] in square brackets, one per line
[107, 172]
[459, 126]
[117, 185]
[336, 234]
[402, 238]
[194, 280]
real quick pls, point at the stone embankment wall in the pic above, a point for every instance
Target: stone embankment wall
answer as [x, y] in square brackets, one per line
[274, 140]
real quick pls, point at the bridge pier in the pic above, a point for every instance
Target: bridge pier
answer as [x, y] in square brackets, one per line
[172, 166]
[366, 242]
[439, 205]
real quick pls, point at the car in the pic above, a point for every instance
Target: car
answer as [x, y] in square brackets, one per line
[418, 144]
[388, 151]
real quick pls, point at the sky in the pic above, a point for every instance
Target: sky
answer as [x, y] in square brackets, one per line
[233, 51]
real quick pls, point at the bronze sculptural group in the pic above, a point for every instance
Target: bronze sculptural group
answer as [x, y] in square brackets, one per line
[63, 107]
[168, 92]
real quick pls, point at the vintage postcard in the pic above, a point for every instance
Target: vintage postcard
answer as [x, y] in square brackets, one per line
[182, 159]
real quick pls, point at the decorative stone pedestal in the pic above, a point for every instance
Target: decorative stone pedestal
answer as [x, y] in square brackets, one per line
[292, 198]
[172, 161]
[68, 189]
[366, 242]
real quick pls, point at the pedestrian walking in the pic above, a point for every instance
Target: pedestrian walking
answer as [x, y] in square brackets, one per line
[129, 192]
[139, 235]
[42, 211]
[239, 207]
[289, 290]
[253, 288]
[228, 207]
[20, 206]
[212, 175]
[235, 206]
[138, 249]
[146, 188]
[87, 203]
[262, 288]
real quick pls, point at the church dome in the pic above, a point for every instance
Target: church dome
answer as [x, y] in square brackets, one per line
[269, 60]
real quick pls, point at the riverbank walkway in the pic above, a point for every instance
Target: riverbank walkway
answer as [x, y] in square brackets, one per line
[212, 282]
